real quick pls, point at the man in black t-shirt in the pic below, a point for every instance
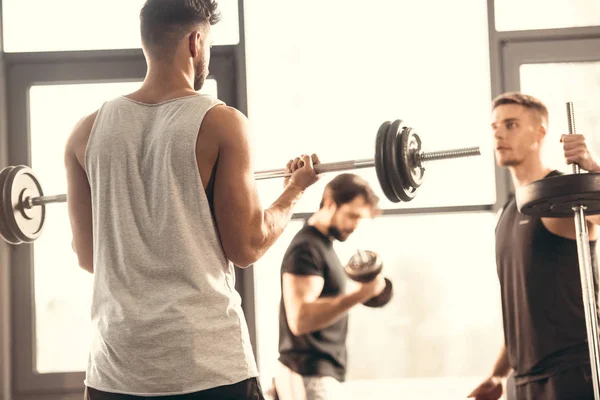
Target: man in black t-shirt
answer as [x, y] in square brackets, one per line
[313, 316]
[545, 339]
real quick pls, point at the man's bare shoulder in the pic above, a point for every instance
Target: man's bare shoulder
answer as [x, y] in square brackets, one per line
[83, 128]
[226, 122]
[80, 134]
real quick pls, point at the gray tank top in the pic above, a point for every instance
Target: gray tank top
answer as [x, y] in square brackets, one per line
[166, 318]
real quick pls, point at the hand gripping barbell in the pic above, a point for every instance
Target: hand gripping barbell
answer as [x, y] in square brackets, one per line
[398, 162]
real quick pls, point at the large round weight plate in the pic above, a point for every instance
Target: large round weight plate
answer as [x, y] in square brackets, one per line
[5, 231]
[556, 196]
[411, 144]
[380, 165]
[383, 298]
[404, 191]
[25, 223]
[391, 161]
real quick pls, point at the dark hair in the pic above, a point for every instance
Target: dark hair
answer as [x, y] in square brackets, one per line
[344, 188]
[164, 22]
[524, 100]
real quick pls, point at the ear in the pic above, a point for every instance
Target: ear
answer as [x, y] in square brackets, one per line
[194, 40]
[542, 131]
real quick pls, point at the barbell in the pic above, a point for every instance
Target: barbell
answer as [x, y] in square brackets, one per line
[398, 162]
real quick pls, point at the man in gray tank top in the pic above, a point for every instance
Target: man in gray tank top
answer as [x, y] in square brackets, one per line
[163, 203]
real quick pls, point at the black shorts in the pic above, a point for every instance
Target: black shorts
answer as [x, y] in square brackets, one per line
[573, 383]
[245, 390]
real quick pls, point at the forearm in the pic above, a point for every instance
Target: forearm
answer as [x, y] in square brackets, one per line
[501, 367]
[325, 311]
[278, 215]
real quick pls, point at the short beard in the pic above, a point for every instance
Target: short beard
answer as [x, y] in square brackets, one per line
[335, 233]
[199, 77]
[510, 163]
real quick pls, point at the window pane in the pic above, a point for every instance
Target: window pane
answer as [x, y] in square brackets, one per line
[443, 328]
[556, 84]
[62, 290]
[327, 90]
[517, 15]
[67, 25]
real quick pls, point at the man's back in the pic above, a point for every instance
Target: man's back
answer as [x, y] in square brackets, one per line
[165, 313]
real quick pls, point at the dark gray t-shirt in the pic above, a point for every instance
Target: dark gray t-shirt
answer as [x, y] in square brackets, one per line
[544, 320]
[320, 353]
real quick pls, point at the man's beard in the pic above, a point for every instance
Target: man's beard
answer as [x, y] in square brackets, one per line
[335, 233]
[199, 77]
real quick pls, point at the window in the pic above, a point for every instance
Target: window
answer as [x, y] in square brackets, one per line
[443, 328]
[62, 290]
[556, 84]
[327, 91]
[41, 25]
[515, 15]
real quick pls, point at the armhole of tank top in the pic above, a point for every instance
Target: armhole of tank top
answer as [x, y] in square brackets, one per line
[211, 182]
[92, 132]
[500, 212]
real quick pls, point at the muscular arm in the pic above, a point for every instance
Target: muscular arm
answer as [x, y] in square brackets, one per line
[79, 201]
[305, 311]
[245, 229]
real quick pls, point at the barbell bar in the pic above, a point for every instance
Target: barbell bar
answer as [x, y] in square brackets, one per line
[398, 161]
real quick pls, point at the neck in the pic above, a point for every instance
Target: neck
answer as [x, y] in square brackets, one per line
[528, 172]
[320, 221]
[164, 81]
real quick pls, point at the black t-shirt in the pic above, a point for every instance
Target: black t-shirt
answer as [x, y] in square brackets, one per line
[543, 315]
[320, 353]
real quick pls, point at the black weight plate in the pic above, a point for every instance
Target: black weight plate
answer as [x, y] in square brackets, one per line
[556, 196]
[411, 173]
[26, 224]
[5, 231]
[409, 191]
[364, 270]
[380, 165]
[393, 164]
[383, 298]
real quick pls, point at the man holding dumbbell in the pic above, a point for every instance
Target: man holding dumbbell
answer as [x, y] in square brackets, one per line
[543, 313]
[313, 317]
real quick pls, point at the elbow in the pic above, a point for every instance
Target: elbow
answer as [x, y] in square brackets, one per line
[244, 255]
[86, 263]
[87, 266]
[297, 327]
[296, 331]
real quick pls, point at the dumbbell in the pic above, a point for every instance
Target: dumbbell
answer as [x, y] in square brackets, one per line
[363, 267]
